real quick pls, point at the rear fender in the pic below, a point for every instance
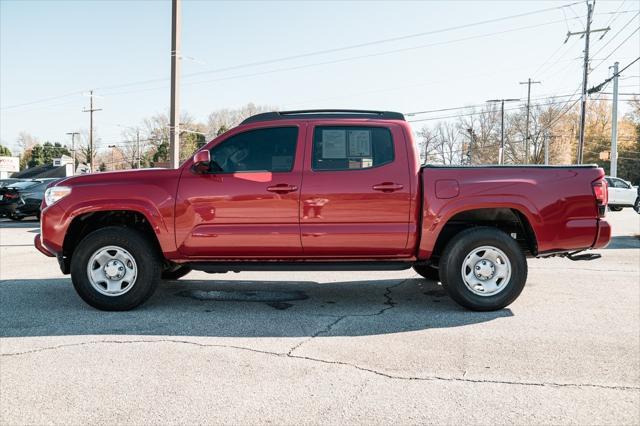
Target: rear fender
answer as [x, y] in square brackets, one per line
[439, 212]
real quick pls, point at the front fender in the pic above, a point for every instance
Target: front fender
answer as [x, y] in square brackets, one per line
[153, 202]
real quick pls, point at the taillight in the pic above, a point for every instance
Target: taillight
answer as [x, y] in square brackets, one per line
[601, 193]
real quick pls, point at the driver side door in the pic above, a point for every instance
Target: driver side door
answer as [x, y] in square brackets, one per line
[247, 205]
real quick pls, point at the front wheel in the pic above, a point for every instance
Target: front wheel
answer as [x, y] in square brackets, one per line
[115, 269]
[483, 269]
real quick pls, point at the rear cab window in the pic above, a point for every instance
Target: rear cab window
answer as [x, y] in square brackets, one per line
[351, 147]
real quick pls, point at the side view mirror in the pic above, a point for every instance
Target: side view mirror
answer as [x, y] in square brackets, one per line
[201, 161]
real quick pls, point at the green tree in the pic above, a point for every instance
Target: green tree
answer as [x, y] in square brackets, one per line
[190, 143]
[162, 153]
[103, 167]
[44, 154]
[221, 130]
[36, 156]
[4, 151]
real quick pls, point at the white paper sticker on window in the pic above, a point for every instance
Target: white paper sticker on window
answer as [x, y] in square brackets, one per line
[334, 144]
[359, 143]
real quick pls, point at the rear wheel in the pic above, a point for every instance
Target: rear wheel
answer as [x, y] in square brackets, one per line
[615, 208]
[115, 269]
[483, 269]
[428, 272]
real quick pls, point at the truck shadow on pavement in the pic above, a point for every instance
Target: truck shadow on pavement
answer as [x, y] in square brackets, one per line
[624, 242]
[230, 308]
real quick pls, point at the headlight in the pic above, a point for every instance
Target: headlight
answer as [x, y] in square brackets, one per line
[56, 193]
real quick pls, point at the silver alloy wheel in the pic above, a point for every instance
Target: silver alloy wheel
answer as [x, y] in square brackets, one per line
[486, 271]
[112, 271]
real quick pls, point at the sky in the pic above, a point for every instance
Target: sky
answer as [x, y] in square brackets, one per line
[388, 55]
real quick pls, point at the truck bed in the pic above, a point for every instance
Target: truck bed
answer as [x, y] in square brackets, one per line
[555, 203]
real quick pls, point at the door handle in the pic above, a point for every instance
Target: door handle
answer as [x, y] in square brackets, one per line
[282, 188]
[387, 187]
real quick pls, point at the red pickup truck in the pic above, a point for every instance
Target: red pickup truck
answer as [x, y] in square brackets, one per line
[320, 190]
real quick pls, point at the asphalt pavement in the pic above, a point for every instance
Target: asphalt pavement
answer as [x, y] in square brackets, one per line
[323, 347]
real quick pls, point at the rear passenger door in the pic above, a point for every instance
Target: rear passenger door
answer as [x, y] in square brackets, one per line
[356, 191]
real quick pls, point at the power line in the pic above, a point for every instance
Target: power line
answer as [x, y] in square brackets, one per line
[618, 47]
[600, 86]
[309, 54]
[340, 60]
[613, 37]
[486, 112]
[352, 46]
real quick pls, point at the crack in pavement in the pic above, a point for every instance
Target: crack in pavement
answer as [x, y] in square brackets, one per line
[330, 362]
[389, 304]
[388, 301]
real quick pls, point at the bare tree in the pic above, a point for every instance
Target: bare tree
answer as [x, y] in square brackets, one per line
[482, 131]
[426, 145]
[448, 144]
[224, 119]
[26, 141]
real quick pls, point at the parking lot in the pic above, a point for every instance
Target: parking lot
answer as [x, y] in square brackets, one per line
[334, 347]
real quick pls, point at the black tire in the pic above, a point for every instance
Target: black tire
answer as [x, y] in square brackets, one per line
[175, 274]
[146, 259]
[455, 254]
[636, 205]
[615, 208]
[16, 218]
[428, 272]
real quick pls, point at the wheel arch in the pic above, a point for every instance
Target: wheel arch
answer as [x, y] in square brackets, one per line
[87, 222]
[510, 220]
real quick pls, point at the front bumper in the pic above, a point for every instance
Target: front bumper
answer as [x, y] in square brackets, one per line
[37, 241]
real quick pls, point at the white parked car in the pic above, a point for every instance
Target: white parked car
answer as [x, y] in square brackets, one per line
[621, 193]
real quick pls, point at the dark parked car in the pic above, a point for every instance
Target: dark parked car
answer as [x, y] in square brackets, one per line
[9, 181]
[22, 199]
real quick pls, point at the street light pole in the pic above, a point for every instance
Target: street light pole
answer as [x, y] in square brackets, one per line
[73, 148]
[614, 124]
[113, 156]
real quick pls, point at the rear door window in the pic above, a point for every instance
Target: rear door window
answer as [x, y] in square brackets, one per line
[351, 147]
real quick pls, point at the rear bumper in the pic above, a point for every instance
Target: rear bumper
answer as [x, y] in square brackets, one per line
[603, 235]
[37, 241]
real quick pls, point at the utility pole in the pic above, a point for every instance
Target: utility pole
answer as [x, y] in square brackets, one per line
[138, 145]
[526, 132]
[174, 119]
[585, 72]
[501, 150]
[91, 110]
[614, 124]
[73, 148]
